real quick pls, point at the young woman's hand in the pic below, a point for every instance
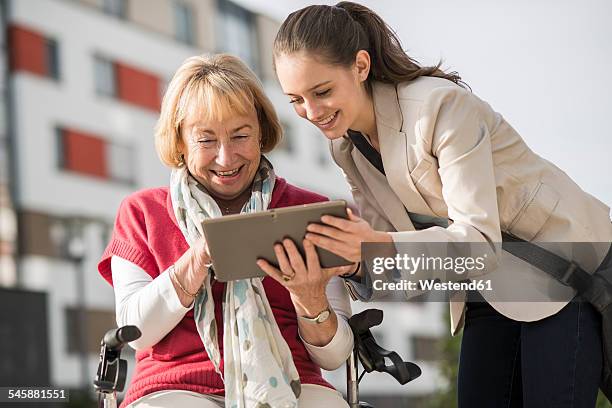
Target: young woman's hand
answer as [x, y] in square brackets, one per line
[344, 237]
[305, 281]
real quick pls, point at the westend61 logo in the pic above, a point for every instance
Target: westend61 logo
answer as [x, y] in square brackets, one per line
[411, 264]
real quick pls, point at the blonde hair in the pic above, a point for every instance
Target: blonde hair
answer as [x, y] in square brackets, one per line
[217, 85]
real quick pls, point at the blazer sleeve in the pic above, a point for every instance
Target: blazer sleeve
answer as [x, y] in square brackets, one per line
[456, 128]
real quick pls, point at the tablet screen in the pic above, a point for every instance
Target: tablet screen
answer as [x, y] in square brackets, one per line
[235, 242]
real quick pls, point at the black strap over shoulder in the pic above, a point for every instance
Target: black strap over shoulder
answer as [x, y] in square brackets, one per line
[593, 288]
[375, 159]
[367, 150]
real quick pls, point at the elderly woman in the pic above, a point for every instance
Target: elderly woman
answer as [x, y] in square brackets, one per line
[266, 350]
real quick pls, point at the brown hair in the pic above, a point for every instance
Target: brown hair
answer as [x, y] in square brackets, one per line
[337, 33]
[217, 85]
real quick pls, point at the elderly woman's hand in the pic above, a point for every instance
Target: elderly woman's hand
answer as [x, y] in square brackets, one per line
[305, 281]
[190, 270]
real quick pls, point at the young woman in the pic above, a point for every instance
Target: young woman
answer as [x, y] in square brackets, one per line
[415, 145]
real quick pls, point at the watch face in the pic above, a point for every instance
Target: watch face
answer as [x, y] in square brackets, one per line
[323, 316]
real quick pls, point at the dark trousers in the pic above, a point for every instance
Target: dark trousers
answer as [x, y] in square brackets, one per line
[552, 363]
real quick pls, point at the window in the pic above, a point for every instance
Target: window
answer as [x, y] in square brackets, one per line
[97, 323]
[91, 155]
[82, 153]
[35, 237]
[105, 77]
[137, 87]
[52, 58]
[236, 33]
[127, 83]
[115, 8]
[32, 52]
[425, 348]
[24, 337]
[183, 23]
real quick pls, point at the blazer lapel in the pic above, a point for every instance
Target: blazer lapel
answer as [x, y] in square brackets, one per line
[383, 194]
[371, 183]
[393, 144]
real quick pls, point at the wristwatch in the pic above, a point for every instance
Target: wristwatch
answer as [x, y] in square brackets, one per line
[318, 319]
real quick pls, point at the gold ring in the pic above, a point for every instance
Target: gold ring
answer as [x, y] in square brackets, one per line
[287, 278]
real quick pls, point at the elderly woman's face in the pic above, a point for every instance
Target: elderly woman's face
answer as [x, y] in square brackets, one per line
[222, 155]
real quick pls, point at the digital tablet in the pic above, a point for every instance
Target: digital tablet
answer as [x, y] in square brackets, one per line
[235, 242]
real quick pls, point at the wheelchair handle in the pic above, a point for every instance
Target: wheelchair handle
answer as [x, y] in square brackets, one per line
[115, 339]
[362, 322]
[372, 356]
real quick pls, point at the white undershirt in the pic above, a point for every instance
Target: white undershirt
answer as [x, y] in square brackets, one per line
[154, 307]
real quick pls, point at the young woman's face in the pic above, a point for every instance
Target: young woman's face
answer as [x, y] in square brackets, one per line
[332, 97]
[222, 155]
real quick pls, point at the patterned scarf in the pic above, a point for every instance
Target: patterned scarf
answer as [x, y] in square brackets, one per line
[259, 368]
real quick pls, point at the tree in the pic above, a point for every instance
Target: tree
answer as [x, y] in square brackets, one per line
[448, 348]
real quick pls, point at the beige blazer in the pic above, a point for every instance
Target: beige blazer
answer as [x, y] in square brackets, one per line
[446, 153]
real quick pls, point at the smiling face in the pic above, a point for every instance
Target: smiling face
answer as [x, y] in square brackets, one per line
[332, 97]
[222, 154]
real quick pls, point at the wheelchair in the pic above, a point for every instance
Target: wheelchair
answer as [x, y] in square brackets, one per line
[112, 369]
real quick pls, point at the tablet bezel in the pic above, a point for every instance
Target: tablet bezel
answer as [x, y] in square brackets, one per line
[236, 241]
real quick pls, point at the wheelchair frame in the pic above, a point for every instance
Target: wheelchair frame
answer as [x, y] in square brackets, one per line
[112, 369]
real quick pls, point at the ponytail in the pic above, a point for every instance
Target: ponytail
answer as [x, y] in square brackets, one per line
[337, 33]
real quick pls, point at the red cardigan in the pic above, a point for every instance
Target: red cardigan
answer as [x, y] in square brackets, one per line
[146, 233]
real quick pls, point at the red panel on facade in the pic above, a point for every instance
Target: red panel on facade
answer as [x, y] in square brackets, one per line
[137, 87]
[84, 153]
[27, 50]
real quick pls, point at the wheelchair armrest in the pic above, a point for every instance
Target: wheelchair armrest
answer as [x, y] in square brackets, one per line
[372, 356]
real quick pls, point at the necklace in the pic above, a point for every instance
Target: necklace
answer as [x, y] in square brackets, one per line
[231, 207]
